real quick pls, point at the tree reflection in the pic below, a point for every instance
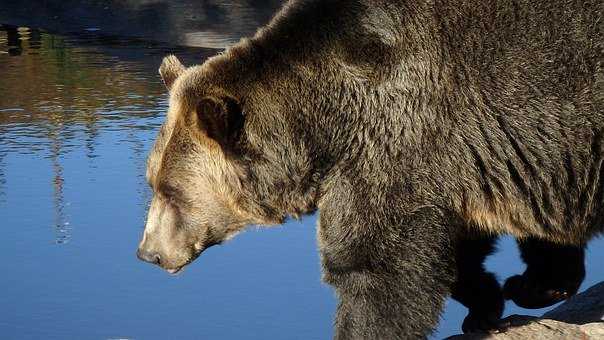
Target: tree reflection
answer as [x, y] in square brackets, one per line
[13, 41]
[2, 175]
[61, 224]
[59, 94]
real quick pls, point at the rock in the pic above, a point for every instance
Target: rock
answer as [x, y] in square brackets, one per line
[528, 327]
[580, 317]
[582, 308]
[593, 330]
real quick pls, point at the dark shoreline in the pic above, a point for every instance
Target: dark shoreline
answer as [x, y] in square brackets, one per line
[190, 23]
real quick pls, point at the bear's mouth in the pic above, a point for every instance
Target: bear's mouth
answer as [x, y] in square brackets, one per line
[195, 254]
[178, 269]
[175, 271]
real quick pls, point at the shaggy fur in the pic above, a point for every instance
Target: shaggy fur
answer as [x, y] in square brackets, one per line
[420, 130]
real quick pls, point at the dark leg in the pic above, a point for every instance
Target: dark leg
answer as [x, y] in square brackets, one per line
[391, 280]
[476, 288]
[554, 273]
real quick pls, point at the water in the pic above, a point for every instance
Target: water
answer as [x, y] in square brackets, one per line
[78, 114]
[203, 23]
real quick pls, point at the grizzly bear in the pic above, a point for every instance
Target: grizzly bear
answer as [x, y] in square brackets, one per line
[419, 130]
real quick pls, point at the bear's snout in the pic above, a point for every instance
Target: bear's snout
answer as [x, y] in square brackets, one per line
[148, 256]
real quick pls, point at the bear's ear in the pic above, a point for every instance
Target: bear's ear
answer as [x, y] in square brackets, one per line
[220, 118]
[170, 69]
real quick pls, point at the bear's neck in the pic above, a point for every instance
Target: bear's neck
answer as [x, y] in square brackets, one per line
[319, 95]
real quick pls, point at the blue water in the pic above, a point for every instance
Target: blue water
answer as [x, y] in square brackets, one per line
[78, 115]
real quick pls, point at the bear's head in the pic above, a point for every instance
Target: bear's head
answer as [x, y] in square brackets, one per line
[201, 169]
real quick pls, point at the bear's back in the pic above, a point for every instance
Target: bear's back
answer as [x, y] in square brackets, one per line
[530, 104]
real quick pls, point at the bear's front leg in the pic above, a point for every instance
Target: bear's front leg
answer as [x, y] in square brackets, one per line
[554, 273]
[476, 288]
[391, 273]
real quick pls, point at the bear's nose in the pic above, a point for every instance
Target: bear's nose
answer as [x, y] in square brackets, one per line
[151, 257]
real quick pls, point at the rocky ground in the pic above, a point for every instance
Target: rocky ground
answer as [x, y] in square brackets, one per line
[580, 317]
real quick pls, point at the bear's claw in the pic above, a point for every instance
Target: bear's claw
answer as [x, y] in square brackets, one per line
[483, 323]
[531, 293]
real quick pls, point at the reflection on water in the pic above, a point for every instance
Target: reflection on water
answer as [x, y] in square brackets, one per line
[59, 93]
[202, 23]
[57, 96]
[61, 224]
[14, 37]
[2, 175]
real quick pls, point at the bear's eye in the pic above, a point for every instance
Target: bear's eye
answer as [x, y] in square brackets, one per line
[169, 192]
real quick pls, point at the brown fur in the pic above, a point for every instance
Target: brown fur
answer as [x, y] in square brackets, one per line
[407, 124]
